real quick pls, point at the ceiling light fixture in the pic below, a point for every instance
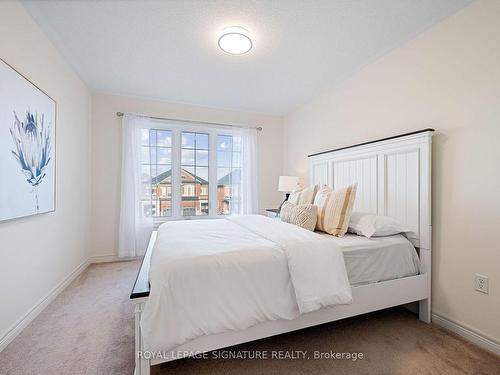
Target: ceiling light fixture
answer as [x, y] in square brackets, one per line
[235, 40]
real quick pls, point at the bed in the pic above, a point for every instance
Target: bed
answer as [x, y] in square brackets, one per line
[393, 177]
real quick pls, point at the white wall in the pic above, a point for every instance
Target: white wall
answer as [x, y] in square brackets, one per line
[37, 253]
[106, 157]
[447, 78]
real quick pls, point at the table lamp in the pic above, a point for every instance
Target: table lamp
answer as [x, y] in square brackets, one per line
[286, 184]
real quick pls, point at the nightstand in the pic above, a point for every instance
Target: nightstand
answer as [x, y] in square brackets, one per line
[272, 212]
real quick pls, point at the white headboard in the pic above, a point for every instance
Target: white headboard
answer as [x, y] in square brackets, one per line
[393, 176]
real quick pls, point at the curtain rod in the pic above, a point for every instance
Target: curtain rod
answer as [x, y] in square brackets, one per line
[259, 128]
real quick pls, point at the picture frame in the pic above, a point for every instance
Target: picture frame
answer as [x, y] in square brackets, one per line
[27, 146]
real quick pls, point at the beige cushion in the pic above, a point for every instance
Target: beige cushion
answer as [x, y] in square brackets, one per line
[334, 209]
[303, 195]
[303, 215]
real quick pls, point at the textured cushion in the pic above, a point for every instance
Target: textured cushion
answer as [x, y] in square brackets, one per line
[303, 195]
[334, 209]
[303, 215]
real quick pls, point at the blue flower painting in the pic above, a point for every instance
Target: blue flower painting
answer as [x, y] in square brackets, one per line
[27, 147]
[31, 149]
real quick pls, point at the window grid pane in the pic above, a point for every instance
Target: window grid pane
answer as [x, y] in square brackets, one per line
[156, 171]
[228, 174]
[194, 174]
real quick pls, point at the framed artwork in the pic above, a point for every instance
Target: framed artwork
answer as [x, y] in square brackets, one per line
[27, 146]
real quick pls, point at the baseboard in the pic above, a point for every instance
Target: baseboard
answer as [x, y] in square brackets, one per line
[110, 258]
[18, 326]
[467, 333]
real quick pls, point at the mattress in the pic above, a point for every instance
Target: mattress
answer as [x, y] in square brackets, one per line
[370, 260]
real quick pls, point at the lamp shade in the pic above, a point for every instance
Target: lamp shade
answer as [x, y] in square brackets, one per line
[287, 183]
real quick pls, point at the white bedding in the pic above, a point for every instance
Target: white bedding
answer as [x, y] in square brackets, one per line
[371, 260]
[212, 276]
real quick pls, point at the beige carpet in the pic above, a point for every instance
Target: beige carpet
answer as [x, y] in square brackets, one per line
[88, 329]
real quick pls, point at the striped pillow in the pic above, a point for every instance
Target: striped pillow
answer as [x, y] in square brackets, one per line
[334, 209]
[303, 195]
[303, 215]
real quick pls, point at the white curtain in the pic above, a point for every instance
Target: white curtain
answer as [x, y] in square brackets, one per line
[249, 184]
[135, 228]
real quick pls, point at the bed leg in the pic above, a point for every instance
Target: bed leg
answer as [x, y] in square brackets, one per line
[424, 310]
[142, 365]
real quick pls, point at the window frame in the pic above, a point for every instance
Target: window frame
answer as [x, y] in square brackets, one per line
[176, 162]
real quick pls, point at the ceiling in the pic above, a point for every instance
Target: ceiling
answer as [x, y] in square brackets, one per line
[167, 50]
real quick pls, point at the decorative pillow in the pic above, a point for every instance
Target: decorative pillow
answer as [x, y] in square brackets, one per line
[303, 215]
[303, 195]
[372, 225]
[334, 209]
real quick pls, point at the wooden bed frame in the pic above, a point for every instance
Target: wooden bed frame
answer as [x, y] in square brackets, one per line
[394, 178]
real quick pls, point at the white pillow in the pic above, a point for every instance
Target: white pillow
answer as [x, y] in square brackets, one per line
[372, 225]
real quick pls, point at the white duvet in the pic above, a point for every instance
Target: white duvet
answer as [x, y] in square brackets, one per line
[212, 276]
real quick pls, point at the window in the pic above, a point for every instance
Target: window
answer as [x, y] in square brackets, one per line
[194, 173]
[189, 173]
[156, 172]
[228, 174]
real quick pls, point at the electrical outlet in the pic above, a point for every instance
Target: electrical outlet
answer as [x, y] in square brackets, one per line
[481, 283]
